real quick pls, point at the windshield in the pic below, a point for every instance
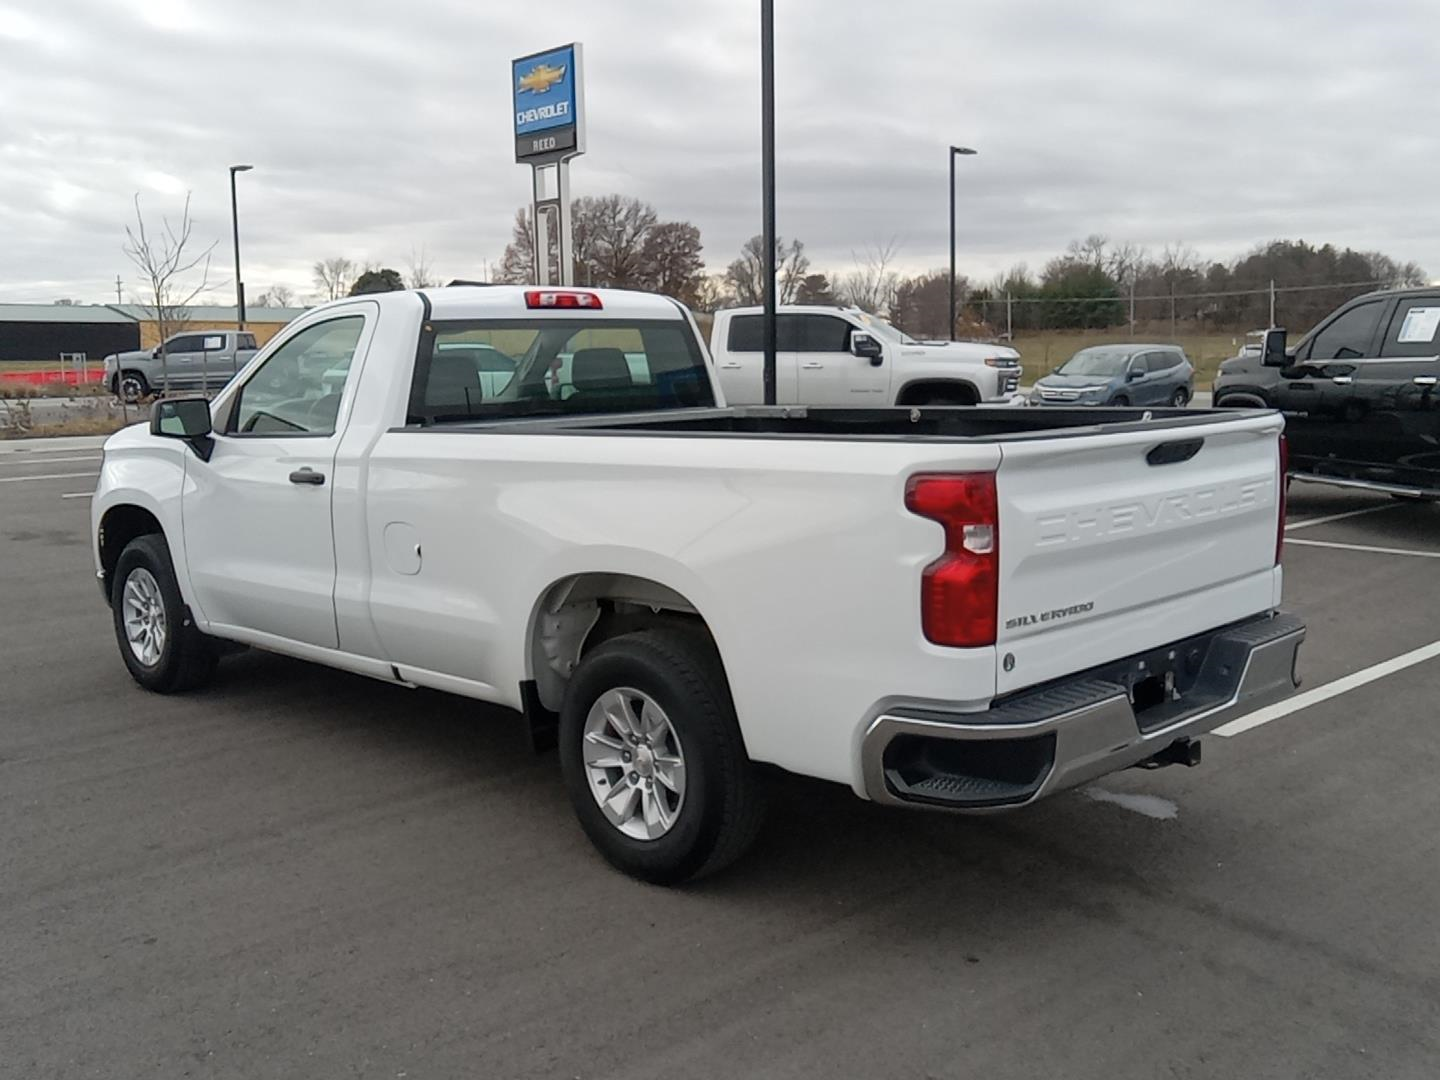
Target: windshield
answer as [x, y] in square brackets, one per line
[884, 330]
[498, 368]
[1106, 362]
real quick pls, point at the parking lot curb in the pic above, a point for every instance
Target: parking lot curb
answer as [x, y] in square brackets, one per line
[55, 442]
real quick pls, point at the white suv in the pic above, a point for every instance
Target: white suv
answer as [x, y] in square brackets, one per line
[844, 356]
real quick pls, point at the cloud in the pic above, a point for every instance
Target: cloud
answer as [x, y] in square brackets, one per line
[376, 127]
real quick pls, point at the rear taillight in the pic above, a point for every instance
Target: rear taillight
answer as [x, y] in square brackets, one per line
[554, 298]
[960, 590]
[1284, 488]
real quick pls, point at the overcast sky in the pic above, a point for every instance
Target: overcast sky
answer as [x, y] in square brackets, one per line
[378, 127]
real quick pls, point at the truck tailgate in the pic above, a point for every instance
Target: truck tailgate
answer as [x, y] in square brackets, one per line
[1116, 542]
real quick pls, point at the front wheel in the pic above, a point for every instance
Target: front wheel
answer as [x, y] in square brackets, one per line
[1120, 400]
[653, 759]
[1180, 398]
[161, 646]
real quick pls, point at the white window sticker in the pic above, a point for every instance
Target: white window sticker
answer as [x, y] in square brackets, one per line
[1420, 325]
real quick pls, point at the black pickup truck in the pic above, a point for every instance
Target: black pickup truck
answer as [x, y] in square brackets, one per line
[1359, 393]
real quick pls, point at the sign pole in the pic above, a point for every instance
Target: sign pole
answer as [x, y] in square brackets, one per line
[548, 92]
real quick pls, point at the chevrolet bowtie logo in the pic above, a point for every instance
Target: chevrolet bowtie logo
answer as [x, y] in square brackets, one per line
[541, 78]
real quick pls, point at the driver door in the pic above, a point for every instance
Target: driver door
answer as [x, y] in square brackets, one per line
[258, 540]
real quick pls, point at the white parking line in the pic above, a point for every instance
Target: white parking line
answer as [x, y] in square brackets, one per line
[1305, 523]
[1329, 690]
[1364, 547]
[47, 476]
[48, 460]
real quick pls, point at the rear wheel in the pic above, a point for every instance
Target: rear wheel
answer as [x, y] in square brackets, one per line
[653, 759]
[1180, 398]
[131, 387]
[160, 644]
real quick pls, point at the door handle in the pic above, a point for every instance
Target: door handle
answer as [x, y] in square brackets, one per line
[1342, 380]
[1425, 380]
[730, 367]
[812, 366]
[307, 475]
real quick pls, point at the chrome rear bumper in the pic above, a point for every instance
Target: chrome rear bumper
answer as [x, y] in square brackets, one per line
[1042, 741]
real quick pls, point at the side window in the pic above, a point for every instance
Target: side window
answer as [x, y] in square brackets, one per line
[1162, 361]
[1413, 328]
[823, 333]
[1348, 336]
[747, 334]
[186, 343]
[297, 390]
[247, 341]
[212, 342]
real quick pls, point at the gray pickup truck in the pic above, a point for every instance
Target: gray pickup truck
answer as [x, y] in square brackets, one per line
[193, 360]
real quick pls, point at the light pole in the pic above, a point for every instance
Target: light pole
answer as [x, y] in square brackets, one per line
[235, 227]
[954, 150]
[767, 185]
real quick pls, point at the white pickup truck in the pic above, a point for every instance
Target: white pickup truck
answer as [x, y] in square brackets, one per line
[844, 356]
[957, 608]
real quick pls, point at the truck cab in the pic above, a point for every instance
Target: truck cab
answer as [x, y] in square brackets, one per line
[846, 356]
[1359, 393]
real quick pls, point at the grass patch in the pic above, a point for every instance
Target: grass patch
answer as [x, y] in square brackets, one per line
[79, 425]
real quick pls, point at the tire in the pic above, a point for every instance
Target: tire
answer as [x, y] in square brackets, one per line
[1120, 400]
[183, 658]
[1180, 398]
[676, 673]
[131, 387]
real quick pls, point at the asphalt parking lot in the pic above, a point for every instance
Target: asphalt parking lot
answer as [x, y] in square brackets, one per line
[304, 873]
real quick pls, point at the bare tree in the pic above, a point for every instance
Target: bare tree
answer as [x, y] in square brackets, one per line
[871, 285]
[276, 296]
[746, 275]
[671, 262]
[713, 293]
[419, 274]
[334, 276]
[166, 259]
[517, 264]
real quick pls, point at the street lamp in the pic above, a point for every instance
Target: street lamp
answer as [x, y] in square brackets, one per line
[954, 150]
[235, 227]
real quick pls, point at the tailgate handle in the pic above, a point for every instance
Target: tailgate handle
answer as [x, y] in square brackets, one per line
[1171, 452]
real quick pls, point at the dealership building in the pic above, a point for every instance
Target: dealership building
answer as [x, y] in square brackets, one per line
[45, 331]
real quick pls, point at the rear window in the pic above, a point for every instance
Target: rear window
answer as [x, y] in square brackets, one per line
[1163, 361]
[247, 341]
[494, 369]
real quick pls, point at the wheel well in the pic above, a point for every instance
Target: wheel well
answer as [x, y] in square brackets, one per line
[580, 612]
[918, 393]
[1242, 401]
[118, 527]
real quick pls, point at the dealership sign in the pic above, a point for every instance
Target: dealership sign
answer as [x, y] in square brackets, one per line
[547, 89]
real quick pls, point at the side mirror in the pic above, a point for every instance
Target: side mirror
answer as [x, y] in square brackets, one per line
[186, 419]
[155, 355]
[1133, 374]
[1272, 353]
[867, 346]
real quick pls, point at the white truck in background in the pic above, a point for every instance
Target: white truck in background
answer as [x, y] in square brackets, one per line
[845, 356]
[968, 609]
